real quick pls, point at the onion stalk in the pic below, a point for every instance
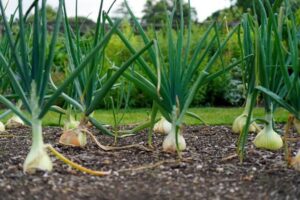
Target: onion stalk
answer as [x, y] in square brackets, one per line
[37, 157]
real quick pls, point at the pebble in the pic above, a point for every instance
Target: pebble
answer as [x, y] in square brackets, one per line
[220, 169]
[199, 166]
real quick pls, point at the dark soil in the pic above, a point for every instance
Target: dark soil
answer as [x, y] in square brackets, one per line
[208, 171]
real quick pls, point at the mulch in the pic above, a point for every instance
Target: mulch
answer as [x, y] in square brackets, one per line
[209, 169]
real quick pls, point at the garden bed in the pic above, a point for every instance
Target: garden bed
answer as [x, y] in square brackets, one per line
[209, 170]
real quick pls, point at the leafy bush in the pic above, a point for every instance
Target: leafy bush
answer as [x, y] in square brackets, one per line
[218, 92]
[234, 93]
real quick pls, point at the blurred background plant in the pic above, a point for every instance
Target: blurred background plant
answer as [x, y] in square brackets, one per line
[225, 90]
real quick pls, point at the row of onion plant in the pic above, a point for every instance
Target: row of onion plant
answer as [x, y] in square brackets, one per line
[173, 84]
[92, 84]
[276, 63]
[171, 80]
[29, 72]
[291, 89]
[249, 76]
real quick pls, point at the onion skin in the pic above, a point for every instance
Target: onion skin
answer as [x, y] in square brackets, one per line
[73, 137]
[296, 161]
[72, 134]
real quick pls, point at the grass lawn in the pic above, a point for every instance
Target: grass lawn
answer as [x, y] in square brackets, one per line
[211, 115]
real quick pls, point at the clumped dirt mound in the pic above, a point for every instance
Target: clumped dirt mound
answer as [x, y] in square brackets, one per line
[209, 171]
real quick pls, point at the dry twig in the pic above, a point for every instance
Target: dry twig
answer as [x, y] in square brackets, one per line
[110, 148]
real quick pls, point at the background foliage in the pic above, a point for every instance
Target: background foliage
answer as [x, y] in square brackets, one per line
[226, 90]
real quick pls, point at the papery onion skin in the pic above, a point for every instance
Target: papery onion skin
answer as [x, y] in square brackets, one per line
[37, 159]
[296, 161]
[72, 134]
[73, 137]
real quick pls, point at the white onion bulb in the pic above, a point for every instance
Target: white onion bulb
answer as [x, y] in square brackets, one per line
[169, 144]
[14, 122]
[2, 127]
[162, 126]
[240, 122]
[268, 139]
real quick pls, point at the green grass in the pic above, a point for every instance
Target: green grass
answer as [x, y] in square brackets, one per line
[211, 115]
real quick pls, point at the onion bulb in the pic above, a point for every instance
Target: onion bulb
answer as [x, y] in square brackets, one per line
[73, 137]
[268, 138]
[37, 159]
[14, 122]
[296, 123]
[72, 134]
[169, 144]
[240, 122]
[296, 161]
[2, 127]
[162, 126]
